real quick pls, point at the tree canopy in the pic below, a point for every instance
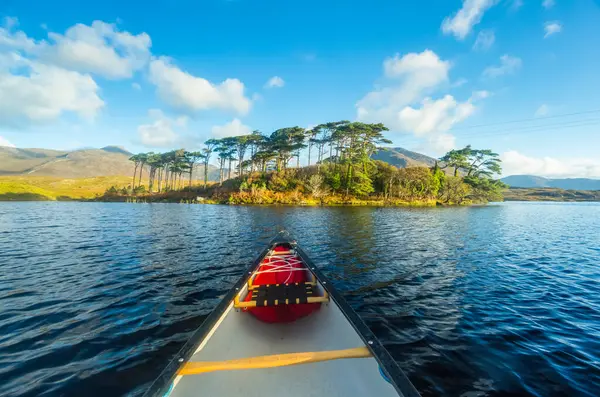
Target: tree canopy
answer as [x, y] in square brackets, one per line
[344, 166]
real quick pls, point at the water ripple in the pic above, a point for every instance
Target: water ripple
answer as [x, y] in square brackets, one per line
[502, 300]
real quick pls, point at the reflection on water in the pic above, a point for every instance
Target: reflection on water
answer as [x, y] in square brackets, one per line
[501, 300]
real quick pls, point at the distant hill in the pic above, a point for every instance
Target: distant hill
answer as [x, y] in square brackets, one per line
[403, 158]
[550, 194]
[530, 181]
[83, 163]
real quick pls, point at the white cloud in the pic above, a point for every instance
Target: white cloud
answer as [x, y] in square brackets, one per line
[160, 132]
[40, 93]
[461, 23]
[136, 86]
[441, 143]
[508, 65]
[183, 90]
[485, 40]
[233, 128]
[548, 4]
[4, 142]
[405, 103]
[42, 80]
[551, 28]
[515, 163]
[542, 111]
[434, 115]
[100, 49]
[418, 74]
[459, 83]
[480, 95]
[14, 40]
[275, 82]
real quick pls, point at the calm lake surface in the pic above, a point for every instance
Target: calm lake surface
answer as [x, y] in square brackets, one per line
[95, 298]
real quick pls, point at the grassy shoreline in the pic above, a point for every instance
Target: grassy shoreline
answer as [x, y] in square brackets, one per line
[283, 200]
[35, 188]
[45, 188]
[28, 188]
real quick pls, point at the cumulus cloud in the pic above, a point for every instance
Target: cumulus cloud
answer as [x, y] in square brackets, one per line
[185, 91]
[4, 142]
[136, 86]
[275, 82]
[41, 80]
[461, 23]
[12, 39]
[508, 65]
[100, 49]
[485, 40]
[160, 132]
[552, 27]
[416, 74]
[40, 93]
[441, 143]
[542, 111]
[434, 115]
[515, 163]
[547, 4]
[405, 102]
[233, 128]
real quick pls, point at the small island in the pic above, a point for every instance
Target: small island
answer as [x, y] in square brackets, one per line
[265, 169]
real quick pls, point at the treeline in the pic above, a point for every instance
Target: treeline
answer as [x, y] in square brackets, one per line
[266, 168]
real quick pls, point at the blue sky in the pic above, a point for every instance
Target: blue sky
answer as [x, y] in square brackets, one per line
[517, 76]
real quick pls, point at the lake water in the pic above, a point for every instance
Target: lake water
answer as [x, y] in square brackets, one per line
[95, 298]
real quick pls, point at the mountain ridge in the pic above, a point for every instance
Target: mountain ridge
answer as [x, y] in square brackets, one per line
[532, 181]
[403, 158]
[113, 160]
[80, 163]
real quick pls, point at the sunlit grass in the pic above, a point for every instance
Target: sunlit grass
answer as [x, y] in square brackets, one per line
[50, 188]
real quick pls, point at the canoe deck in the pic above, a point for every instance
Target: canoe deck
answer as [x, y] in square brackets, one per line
[241, 335]
[283, 330]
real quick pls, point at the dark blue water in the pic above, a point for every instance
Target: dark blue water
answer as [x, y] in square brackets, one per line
[490, 301]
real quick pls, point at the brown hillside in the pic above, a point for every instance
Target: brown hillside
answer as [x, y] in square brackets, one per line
[84, 163]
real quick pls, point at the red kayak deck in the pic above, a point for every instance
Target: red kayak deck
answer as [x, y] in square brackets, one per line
[282, 267]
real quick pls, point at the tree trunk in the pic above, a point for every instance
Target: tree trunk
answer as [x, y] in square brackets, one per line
[348, 178]
[221, 171]
[191, 170]
[141, 171]
[150, 179]
[229, 172]
[309, 147]
[134, 173]
[205, 174]
[298, 160]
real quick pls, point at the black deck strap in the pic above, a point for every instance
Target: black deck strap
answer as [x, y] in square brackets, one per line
[279, 294]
